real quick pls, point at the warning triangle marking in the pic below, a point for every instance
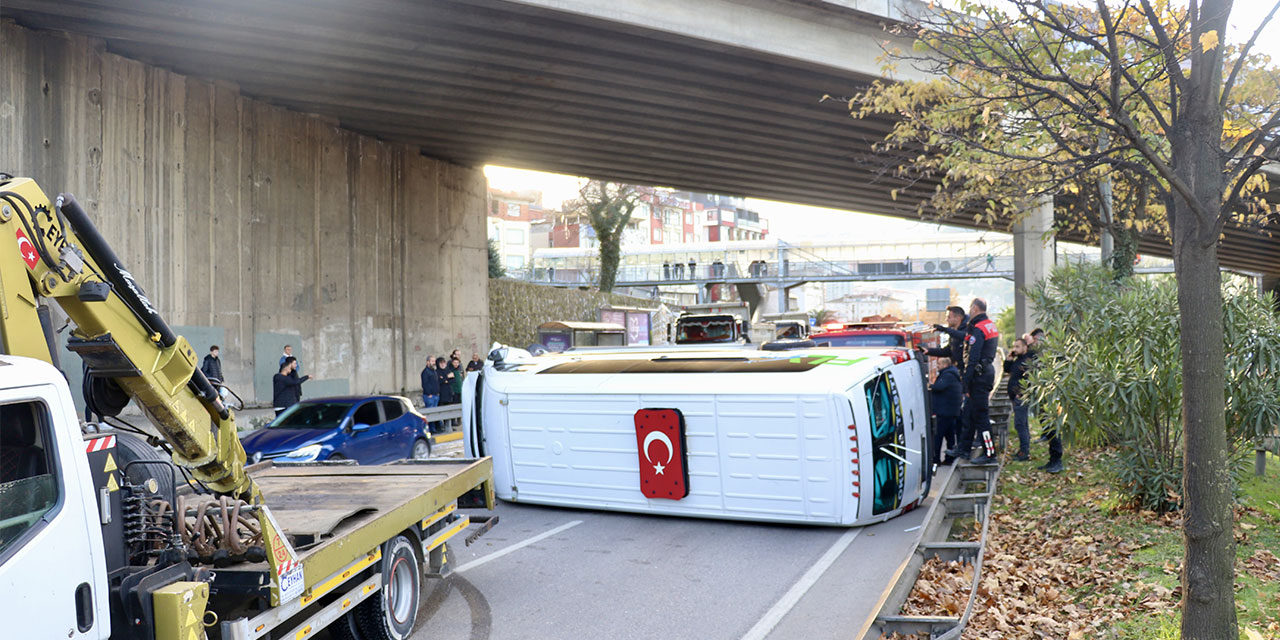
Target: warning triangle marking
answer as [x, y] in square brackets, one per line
[111, 464]
[111, 484]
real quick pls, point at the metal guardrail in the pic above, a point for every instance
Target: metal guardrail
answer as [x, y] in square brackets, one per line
[447, 414]
[953, 501]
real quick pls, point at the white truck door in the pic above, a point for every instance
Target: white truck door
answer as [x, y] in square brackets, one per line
[52, 575]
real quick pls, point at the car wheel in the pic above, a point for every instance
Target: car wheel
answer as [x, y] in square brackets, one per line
[337, 456]
[390, 613]
[421, 449]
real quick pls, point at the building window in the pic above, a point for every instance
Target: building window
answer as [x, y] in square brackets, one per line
[513, 209]
[657, 235]
[688, 217]
[515, 262]
[515, 236]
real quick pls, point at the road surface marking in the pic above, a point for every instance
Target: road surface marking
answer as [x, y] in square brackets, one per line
[517, 546]
[779, 610]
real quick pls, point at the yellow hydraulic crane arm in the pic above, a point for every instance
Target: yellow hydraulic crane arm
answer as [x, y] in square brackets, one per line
[53, 251]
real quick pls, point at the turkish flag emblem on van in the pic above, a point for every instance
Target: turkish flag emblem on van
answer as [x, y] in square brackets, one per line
[664, 472]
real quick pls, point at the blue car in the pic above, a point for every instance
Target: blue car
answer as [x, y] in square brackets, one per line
[369, 430]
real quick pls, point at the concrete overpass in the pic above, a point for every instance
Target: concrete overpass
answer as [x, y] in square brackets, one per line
[325, 142]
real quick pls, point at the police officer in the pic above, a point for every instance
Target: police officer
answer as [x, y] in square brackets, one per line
[956, 328]
[979, 378]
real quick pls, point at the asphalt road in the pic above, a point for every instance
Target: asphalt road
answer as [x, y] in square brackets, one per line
[547, 572]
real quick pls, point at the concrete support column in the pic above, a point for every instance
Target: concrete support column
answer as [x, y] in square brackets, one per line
[1033, 256]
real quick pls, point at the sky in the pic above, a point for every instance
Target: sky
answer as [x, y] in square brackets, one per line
[1246, 15]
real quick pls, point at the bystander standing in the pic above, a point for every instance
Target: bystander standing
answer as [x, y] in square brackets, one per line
[431, 390]
[455, 366]
[1016, 364]
[445, 376]
[288, 353]
[211, 367]
[286, 386]
[948, 398]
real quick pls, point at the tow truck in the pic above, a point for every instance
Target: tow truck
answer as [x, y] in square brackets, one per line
[103, 537]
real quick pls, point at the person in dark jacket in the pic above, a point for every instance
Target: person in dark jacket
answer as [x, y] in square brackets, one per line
[445, 376]
[981, 340]
[1016, 364]
[211, 367]
[948, 398]
[476, 363]
[957, 325]
[431, 391]
[286, 388]
[430, 384]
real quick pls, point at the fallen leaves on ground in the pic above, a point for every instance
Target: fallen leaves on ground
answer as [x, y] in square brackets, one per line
[1048, 573]
[1060, 565]
[1263, 565]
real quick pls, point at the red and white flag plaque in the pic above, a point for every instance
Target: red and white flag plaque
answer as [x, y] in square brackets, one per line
[664, 472]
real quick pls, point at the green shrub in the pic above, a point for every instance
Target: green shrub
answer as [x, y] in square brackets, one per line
[1110, 373]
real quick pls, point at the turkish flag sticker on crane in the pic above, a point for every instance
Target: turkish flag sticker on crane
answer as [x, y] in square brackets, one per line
[664, 472]
[27, 250]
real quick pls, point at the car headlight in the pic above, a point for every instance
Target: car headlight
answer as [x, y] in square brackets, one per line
[305, 454]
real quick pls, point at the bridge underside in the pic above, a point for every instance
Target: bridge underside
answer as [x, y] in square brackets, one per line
[527, 85]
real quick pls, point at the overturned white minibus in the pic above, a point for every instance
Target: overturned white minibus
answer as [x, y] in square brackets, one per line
[815, 436]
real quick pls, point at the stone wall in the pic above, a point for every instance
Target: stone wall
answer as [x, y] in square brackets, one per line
[517, 308]
[250, 224]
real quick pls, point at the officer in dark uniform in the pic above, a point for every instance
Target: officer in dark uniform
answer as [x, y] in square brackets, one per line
[957, 328]
[978, 380]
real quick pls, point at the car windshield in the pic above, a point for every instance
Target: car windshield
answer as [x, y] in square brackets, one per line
[862, 340]
[704, 331]
[312, 415]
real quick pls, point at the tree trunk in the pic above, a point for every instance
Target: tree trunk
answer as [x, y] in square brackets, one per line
[610, 253]
[1208, 571]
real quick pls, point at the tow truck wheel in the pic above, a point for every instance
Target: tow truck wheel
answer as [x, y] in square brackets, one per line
[346, 628]
[390, 613]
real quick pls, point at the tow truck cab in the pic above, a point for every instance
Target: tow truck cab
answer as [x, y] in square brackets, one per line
[48, 510]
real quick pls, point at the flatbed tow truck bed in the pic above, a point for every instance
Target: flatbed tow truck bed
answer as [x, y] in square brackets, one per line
[345, 511]
[336, 518]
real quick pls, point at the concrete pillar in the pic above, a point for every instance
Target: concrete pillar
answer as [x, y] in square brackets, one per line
[1033, 256]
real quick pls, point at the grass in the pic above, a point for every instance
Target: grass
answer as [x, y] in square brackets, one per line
[1143, 550]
